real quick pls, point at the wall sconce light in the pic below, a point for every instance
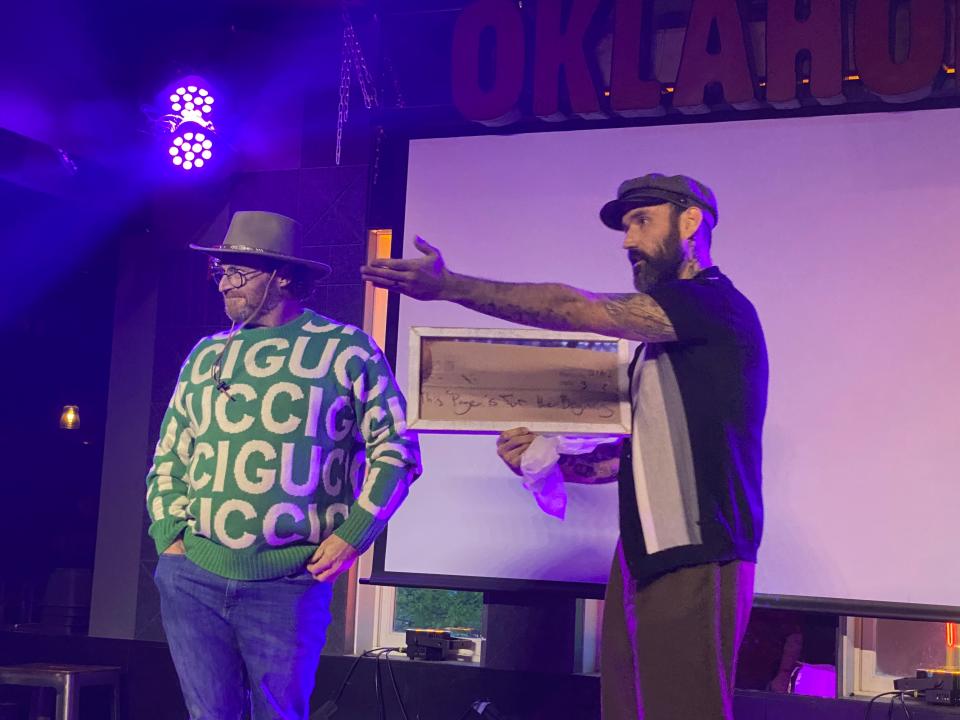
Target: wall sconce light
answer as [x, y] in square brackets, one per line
[70, 417]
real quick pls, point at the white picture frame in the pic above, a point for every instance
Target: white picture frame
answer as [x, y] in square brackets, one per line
[574, 392]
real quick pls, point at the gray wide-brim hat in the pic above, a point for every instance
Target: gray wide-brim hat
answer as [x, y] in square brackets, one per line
[256, 233]
[656, 189]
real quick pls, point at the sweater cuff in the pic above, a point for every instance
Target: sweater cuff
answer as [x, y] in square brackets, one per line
[360, 529]
[165, 532]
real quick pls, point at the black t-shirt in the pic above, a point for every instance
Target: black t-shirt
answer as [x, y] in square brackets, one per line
[690, 476]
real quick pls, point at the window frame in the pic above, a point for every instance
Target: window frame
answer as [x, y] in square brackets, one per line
[858, 673]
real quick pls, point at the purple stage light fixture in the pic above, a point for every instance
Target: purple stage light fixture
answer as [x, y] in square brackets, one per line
[191, 150]
[190, 124]
[190, 100]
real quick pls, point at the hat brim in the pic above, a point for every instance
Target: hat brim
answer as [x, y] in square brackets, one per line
[612, 213]
[320, 268]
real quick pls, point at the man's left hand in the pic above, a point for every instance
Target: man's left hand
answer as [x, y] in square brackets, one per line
[422, 278]
[332, 557]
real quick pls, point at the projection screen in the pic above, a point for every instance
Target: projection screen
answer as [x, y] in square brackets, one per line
[841, 230]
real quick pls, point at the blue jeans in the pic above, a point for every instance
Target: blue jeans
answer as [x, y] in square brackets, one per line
[243, 646]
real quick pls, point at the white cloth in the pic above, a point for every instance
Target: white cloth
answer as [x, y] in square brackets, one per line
[541, 471]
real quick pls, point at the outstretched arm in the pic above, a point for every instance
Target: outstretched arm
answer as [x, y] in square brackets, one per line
[633, 316]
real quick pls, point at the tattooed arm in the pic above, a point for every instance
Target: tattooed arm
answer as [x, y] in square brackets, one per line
[634, 316]
[600, 466]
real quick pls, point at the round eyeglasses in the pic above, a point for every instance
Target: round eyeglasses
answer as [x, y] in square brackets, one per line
[236, 278]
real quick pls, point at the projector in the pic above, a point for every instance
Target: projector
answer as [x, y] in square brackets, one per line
[935, 686]
[433, 645]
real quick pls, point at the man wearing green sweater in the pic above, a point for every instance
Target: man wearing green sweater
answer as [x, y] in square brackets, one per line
[283, 453]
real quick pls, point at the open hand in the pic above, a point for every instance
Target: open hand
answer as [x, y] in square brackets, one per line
[423, 278]
[512, 444]
[333, 557]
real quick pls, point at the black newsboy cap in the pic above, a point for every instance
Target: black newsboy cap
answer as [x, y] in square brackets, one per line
[656, 189]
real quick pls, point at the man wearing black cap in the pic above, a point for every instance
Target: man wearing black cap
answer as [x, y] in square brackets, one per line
[691, 514]
[283, 453]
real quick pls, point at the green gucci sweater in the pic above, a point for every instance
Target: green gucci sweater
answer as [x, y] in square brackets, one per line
[307, 438]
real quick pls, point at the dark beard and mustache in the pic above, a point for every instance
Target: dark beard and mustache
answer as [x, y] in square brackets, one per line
[659, 268]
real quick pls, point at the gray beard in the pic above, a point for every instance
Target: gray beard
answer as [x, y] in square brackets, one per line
[245, 313]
